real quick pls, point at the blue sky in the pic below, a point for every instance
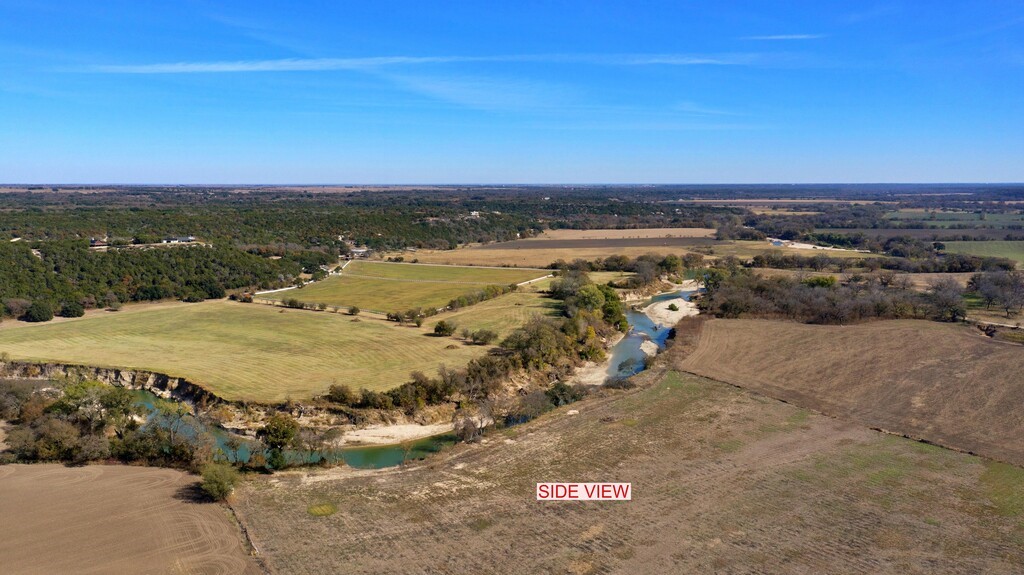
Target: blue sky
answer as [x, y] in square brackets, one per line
[513, 92]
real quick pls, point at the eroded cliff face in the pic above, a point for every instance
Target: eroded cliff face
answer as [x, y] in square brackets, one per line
[159, 384]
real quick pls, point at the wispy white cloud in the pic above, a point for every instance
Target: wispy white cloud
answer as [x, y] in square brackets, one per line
[693, 109]
[785, 37]
[870, 14]
[379, 62]
[483, 93]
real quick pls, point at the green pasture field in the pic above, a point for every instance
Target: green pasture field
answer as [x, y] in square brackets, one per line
[384, 287]
[948, 219]
[242, 351]
[501, 314]
[1013, 250]
[458, 274]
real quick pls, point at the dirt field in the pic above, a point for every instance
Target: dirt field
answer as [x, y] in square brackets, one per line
[723, 481]
[113, 519]
[941, 382]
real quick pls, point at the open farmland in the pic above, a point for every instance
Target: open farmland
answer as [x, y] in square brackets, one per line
[723, 481]
[956, 218]
[605, 234]
[1013, 250]
[539, 252]
[944, 383]
[241, 351]
[384, 287]
[680, 243]
[479, 256]
[113, 519]
[923, 234]
[501, 314]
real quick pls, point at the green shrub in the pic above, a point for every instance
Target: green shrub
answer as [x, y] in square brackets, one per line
[219, 480]
[444, 328]
[72, 309]
[343, 394]
[38, 311]
[483, 337]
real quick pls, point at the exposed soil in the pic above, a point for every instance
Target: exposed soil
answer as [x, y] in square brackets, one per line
[944, 383]
[389, 434]
[113, 519]
[724, 481]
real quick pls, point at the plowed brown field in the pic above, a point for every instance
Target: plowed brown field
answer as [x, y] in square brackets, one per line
[113, 519]
[944, 383]
[724, 481]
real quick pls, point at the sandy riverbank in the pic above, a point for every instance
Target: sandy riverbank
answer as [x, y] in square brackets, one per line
[660, 313]
[594, 373]
[649, 348]
[391, 434]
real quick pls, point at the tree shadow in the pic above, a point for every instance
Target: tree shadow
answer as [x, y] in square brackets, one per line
[192, 493]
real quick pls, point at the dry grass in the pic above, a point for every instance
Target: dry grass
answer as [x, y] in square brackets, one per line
[723, 481]
[536, 253]
[625, 234]
[1013, 250]
[502, 314]
[479, 256]
[113, 519]
[941, 382]
[243, 351]
[384, 287]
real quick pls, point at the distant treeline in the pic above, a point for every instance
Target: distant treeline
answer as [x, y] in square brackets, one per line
[860, 219]
[946, 263]
[67, 275]
[438, 219]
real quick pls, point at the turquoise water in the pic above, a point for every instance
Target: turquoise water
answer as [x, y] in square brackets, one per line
[626, 357]
[236, 447]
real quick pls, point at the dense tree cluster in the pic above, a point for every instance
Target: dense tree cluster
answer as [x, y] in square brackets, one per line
[79, 421]
[644, 270]
[88, 420]
[945, 263]
[65, 277]
[739, 293]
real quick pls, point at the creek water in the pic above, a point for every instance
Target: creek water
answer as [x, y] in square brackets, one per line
[626, 359]
[238, 447]
[626, 356]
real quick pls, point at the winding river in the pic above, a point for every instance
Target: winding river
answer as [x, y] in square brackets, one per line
[627, 358]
